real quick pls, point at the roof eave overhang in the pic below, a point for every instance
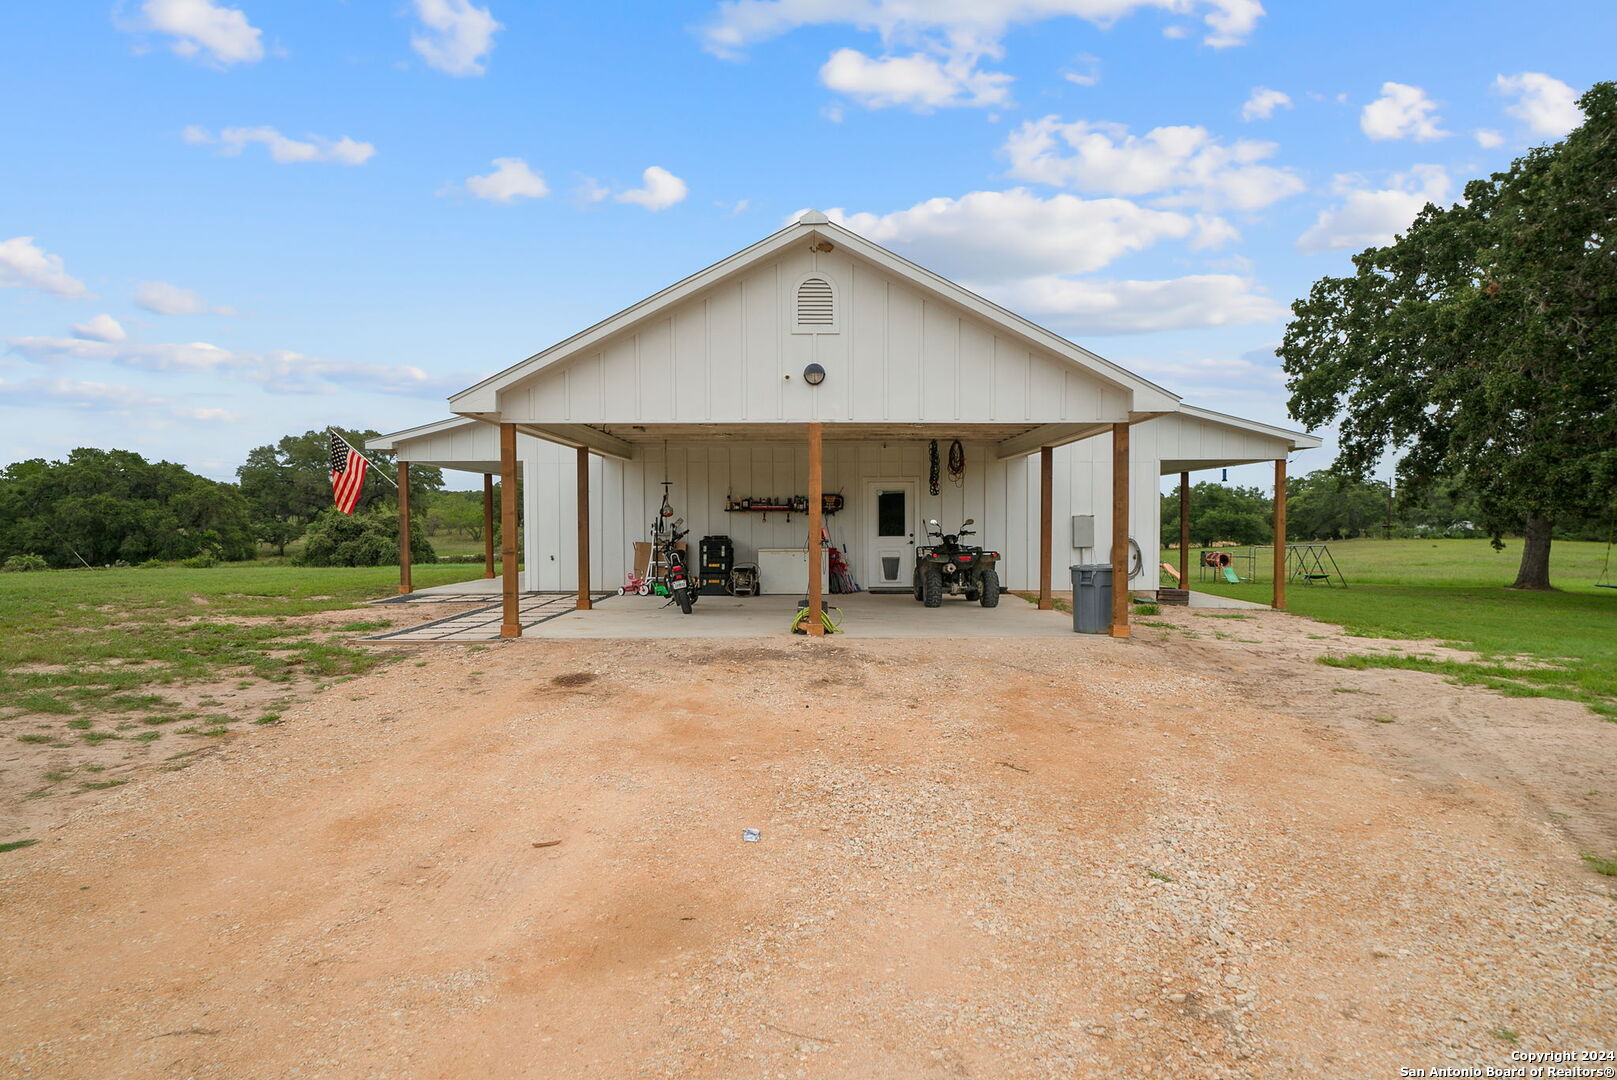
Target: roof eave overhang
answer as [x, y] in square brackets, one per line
[390, 441]
[1296, 440]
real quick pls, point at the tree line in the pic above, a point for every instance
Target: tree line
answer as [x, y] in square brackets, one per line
[1327, 505]
[113, 508]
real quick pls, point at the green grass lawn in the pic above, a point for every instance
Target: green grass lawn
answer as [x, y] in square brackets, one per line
[1453, 590]
[126, 656]
[442, 544]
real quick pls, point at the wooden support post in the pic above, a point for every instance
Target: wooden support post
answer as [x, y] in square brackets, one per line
[1279, 602]
[816, 484]
[1120, 531]
[1184, 530]
[510, 623]
[583, 528]
[1046, 524]
[404, 527]
[488, 525]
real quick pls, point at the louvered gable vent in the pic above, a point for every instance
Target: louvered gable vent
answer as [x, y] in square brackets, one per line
[816, 303]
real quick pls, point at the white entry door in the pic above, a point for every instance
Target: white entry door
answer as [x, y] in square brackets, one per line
[889, 514]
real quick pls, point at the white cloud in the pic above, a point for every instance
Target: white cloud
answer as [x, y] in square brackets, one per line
[932, 48]
[964, 25]
[204, 28]
[1371, 217]
[1091, 307]
[195, 356]
[161, 298]
[24, 265]
[1263, 103]
[1401, 112]
[1488, 139]
[918, 81]
[1088, 74]
[1026, 252]
[511, 180]
[591, 190]
[1009, 235]
[459, 35]
[1184, 165]
[1546, 105]
[100, 328]
[110, 397]
[661, 190]
[279, 371]
[283, 150]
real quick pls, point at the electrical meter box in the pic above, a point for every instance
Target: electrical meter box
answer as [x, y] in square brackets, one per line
[1083, 530]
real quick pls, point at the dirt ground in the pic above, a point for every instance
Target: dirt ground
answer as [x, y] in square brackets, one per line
[42, 783]
[1176, 856]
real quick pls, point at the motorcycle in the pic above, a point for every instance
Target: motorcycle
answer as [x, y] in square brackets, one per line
[673, 582]
[950, 567]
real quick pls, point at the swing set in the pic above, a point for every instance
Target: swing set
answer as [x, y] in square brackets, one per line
[1603, 581]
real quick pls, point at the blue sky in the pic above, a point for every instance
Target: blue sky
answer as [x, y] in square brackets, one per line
[226, 220]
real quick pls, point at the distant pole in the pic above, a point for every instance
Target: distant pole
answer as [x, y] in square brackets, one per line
[816, 624]
[488, 525]
[404, 528]
[1280, 535]
[583, 529]
[1120, 531]
[511, 624]
[1046, 525]
[1184, 530]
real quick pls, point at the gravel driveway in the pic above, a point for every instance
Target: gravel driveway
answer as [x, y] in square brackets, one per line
[1052, 858]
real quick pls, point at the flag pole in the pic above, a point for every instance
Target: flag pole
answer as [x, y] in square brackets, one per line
[333, 431]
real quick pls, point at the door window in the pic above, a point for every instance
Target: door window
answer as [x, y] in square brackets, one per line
[891, 518]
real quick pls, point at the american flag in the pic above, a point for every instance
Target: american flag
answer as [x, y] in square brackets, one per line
[347, 474]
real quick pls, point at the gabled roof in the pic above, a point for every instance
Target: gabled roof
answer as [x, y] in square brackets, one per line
[459, 443]
[1297, 440]
[480, 398]
[391, 440]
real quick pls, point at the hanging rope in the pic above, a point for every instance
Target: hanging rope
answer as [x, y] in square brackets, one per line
[932, 481]
[957, 463]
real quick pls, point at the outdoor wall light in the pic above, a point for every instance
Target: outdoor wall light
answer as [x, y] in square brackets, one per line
[814, 374]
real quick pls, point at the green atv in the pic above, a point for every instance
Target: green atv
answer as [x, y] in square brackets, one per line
[955, 568]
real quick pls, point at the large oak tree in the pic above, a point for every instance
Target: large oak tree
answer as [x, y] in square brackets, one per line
[1481, 345]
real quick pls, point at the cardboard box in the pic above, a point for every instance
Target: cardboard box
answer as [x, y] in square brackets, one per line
[642, 557]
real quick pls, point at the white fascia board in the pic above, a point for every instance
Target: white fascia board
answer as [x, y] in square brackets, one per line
[1298, 440]
[391, 441]
[1051, 435]
[581, 436]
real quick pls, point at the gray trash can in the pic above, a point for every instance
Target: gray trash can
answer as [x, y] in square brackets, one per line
[1092, 598]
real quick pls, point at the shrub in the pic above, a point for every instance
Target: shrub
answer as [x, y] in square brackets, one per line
[364, 539]
[202, 560]
[152, 564]
[20, 564]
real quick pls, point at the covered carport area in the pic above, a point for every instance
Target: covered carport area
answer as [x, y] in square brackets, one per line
[1221, 441]
[459, 445]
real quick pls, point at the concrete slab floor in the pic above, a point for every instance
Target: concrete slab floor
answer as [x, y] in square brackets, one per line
[863, 615]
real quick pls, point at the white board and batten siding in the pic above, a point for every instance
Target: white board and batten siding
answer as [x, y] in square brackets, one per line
[469, 445]
[1003, 497]
[735, 353]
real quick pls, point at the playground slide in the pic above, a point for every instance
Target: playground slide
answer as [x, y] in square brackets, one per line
[1230, 575]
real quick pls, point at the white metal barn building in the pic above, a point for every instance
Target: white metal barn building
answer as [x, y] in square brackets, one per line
[818, 355]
